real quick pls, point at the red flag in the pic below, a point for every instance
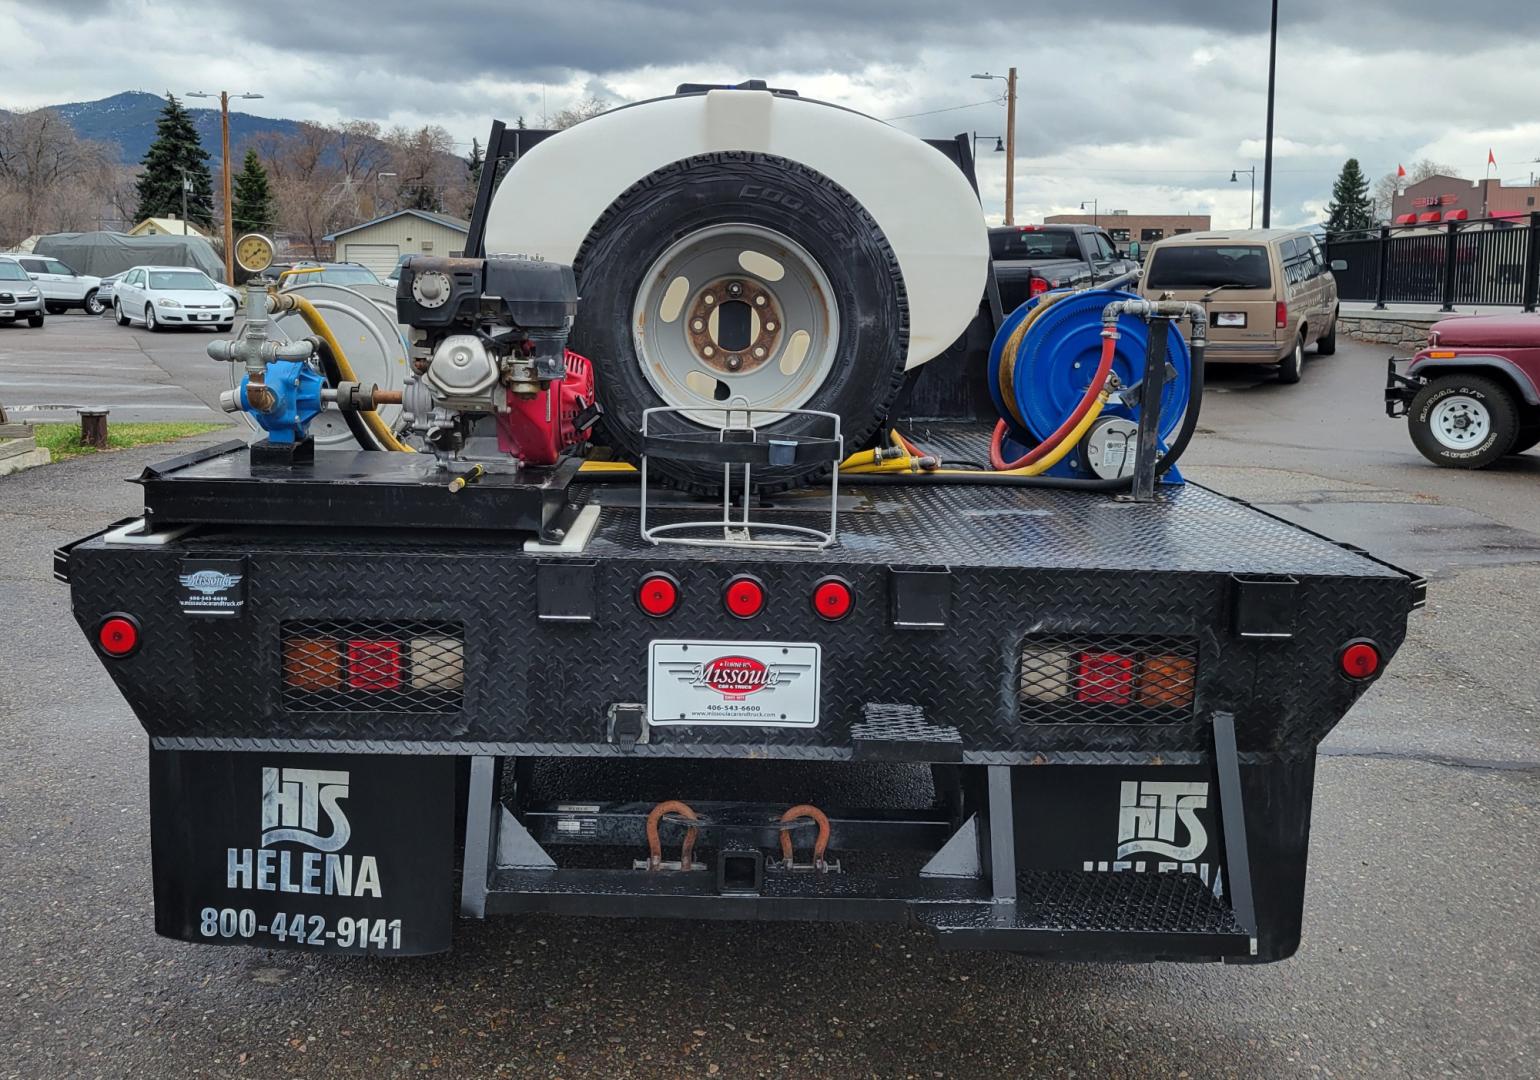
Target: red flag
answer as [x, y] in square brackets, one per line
[1490, 159]
[1400, 171]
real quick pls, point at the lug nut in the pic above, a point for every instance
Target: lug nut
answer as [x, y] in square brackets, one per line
[735, 288]
[734, 363]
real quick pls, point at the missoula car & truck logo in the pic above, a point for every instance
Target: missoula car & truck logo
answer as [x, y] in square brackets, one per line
[1160, 818]
[212, 586]
[293, 802]
[735, 677]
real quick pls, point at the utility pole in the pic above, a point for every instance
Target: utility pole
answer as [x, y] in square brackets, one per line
[186, 183]
[224, 140]
[1010, 141]
[1010, 148]
[1267, 161]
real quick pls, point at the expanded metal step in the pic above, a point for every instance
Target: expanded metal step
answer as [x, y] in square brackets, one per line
[1110, 916]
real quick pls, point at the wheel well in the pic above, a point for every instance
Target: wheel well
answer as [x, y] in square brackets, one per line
[1496, 374]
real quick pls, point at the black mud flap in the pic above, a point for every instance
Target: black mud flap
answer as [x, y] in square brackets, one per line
[321, 852]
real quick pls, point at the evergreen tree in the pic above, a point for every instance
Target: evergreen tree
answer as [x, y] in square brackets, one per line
[1351, 207]
[252, 206]
[475, 161]
[176, 151]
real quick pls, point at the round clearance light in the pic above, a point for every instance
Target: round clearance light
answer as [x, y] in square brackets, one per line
[658, 595]
[1359, 660]
[745, 597]
[118, 635]
[833, 599]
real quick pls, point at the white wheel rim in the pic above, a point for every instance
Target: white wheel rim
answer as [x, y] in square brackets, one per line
[790, 347]
[1460, 422]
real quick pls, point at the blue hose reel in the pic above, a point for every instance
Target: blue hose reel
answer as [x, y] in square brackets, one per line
[1039, 388]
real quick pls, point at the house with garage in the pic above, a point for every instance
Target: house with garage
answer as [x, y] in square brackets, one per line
[379, 244]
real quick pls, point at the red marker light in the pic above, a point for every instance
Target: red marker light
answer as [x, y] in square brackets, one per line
[745, 597]
[833, 599]
[118, 635]
[658, 595]
[1360, 660]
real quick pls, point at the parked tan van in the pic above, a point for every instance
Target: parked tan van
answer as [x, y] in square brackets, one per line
[1269, 292]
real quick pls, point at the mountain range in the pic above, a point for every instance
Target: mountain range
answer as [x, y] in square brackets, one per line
[126, 121]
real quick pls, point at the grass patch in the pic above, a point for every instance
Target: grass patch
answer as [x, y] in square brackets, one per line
[63, 440]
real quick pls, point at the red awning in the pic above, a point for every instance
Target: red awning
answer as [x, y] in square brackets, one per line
[1507, 215]
[1429, 216]
[1406, 219]
[1457, 215]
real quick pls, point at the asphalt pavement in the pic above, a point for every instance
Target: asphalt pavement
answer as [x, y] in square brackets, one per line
[1422, 923]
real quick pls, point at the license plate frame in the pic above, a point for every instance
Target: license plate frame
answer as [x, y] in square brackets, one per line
[1230, 319]
[768, 684]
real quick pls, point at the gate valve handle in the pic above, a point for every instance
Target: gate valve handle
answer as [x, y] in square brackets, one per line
[655, 845]
[820, 846]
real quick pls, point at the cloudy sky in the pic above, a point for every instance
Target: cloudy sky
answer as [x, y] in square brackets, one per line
[1144, 105]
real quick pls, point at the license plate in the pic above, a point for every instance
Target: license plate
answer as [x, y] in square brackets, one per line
[204, 318]
[732, 683]
[1229, 318]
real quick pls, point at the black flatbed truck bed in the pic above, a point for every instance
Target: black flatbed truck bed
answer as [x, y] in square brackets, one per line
[1001, 640]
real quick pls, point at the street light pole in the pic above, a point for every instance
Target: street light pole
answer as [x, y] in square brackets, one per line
[1267, 161]
[1251, 222]
[1096, 218]
[224, 141]
[1010, 141]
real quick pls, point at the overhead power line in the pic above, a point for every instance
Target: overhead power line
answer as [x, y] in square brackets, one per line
[949, 108]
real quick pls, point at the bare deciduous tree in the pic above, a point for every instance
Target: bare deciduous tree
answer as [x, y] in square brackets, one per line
[51, 180]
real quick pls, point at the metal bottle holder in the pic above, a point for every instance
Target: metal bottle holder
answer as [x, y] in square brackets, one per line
[739, 447]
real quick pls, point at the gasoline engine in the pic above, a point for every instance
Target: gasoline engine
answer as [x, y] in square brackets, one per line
[489, 339]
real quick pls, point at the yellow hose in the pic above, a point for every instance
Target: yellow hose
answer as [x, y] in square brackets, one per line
[289, 301]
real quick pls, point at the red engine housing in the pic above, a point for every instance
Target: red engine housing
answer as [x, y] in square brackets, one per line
[536, 430]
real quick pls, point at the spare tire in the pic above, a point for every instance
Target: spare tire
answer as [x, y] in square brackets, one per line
[740, 277]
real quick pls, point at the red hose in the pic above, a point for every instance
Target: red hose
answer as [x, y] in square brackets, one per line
[1103, 369]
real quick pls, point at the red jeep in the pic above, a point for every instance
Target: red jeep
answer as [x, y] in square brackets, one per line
[1472, 394]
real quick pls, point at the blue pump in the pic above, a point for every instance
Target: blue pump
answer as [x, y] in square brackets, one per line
[296, 391]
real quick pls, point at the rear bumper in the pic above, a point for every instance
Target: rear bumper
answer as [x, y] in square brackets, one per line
[1261, 352]
[1141, 863]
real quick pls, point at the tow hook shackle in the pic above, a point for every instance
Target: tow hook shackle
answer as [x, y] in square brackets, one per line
[820, 845]
[676, 810]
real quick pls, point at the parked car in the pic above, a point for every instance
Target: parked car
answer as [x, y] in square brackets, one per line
[62, 288]
[1472, 395]
[331, 273]
[20, 297]
[1031, 259]
[104, 291]
[161, 296]
[1270, 293]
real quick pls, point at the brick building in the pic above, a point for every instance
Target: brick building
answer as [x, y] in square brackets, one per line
[1442, 198]
[1145, 228]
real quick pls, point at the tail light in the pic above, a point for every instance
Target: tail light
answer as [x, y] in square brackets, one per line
[1281, 317]
[1038, 287]
[1166, 681]
[312, 663]
[1152, 678]
[374, 665]
[1104, 678]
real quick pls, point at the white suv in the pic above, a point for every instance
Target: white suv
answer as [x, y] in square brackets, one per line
[62, 288]
[162, 296]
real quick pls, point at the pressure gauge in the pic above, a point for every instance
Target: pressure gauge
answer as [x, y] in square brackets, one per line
[254, 252]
